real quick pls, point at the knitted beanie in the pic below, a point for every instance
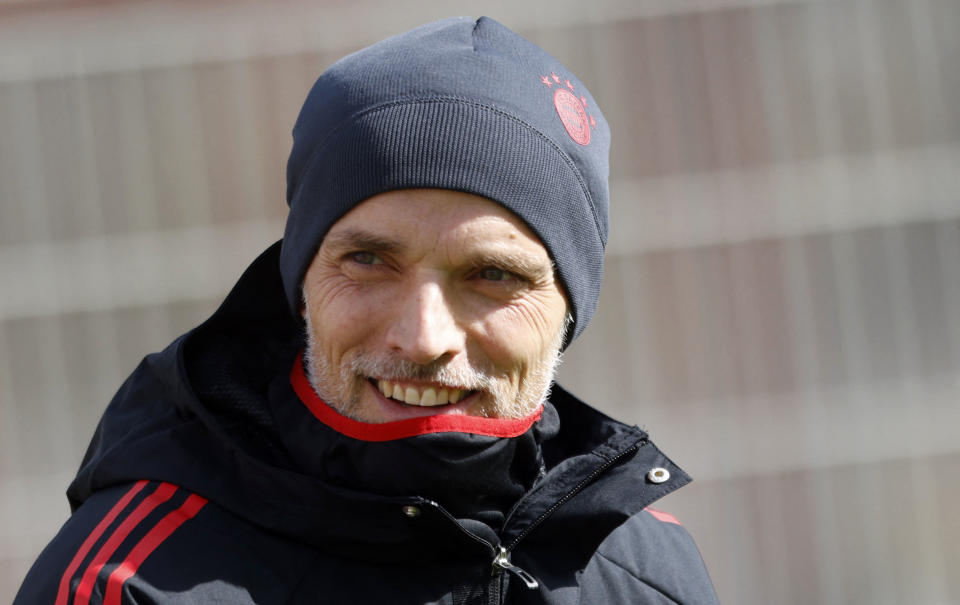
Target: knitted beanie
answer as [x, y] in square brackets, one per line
[464, 105]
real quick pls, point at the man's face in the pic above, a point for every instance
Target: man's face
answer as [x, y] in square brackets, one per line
[430, 301]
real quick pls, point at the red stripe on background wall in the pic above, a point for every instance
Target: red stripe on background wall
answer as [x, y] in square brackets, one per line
[160, 532]
[163, 493]
[63, 592]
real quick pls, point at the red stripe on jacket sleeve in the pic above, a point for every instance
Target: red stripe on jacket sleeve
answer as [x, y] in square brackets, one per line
[163, 493]
[659, 515]
[160, 532]
[63, 592]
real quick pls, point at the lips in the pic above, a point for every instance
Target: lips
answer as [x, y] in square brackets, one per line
[420, 395]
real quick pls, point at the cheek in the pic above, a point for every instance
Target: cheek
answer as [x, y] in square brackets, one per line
[342, 314]
[516, 337]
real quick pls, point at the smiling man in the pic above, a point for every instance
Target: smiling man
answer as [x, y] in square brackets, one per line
[370, 416]
[441, 301]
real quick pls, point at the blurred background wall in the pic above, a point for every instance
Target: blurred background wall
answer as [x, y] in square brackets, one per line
[782, 300]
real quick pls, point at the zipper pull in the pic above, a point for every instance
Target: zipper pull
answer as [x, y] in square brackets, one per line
[502, 561]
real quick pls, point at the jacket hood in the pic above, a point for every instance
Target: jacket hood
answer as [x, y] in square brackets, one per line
[215, 413]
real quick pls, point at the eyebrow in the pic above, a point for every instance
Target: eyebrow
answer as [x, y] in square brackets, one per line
[519, 263]
[358, 238]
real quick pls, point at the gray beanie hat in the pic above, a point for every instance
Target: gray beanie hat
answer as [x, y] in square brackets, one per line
[464, 105]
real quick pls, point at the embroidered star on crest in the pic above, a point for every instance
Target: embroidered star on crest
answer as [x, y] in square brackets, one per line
[546, 81]
[569, 85]
[584, 101]
[555, 77]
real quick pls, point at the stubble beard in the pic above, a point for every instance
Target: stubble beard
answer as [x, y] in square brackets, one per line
[343, 389]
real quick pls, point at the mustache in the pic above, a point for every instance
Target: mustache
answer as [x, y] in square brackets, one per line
[440, 372]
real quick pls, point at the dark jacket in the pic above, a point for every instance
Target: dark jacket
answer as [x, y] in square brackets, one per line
[208, 480]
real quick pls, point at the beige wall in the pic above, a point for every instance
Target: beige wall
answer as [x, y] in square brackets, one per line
[781, 307]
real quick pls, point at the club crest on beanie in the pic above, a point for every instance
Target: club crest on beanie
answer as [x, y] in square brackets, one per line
[457, 104]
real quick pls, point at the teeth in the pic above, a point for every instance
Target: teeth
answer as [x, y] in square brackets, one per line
[412, 396]
[429, 397]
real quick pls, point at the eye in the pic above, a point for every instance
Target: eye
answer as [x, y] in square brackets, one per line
[494, 274]
[497, 275]
[365, 257]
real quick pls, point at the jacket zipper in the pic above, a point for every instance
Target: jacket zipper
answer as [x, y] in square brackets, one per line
[502, 559]
[501, 555]
[502, 562]
[576, 489]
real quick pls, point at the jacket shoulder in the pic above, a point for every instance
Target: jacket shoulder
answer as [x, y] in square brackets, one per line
[651, 554]
[154, 542]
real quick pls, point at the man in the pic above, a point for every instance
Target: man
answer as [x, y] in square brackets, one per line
[366, 418]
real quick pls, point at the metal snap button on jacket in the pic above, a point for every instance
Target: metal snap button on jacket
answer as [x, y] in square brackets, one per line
[658, 475]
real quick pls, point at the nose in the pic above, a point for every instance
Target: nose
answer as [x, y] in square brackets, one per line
[424, 329]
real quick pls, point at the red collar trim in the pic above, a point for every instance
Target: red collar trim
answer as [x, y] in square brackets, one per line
[410, 427]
